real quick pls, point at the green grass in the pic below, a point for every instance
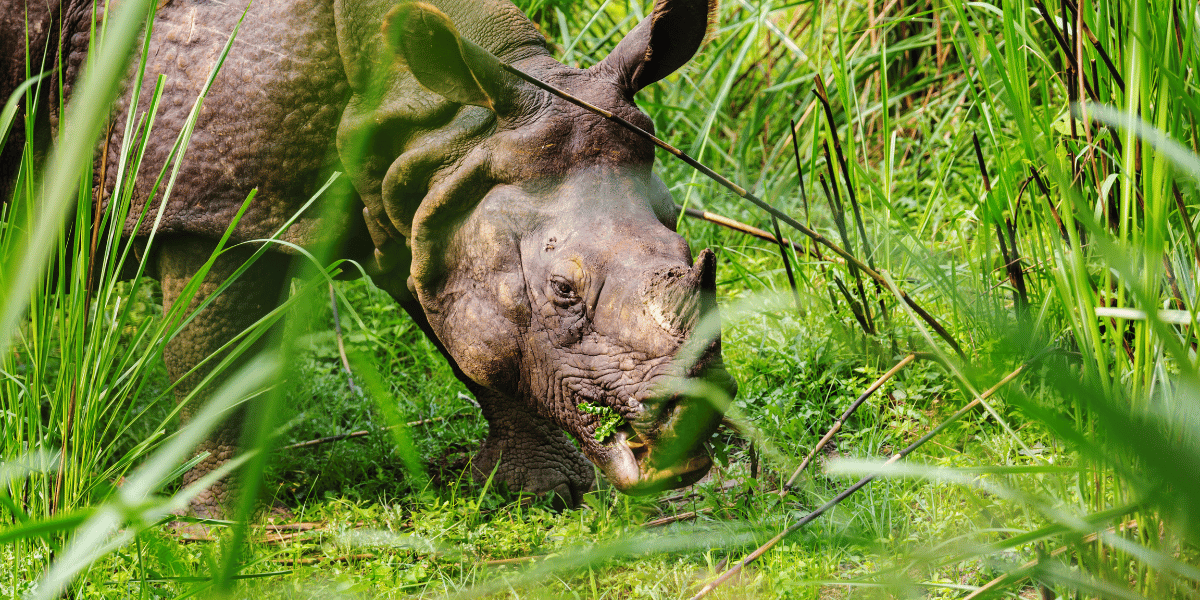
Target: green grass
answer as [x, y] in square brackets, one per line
[1076, 479]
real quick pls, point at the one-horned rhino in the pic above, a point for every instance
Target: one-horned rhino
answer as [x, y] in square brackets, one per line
[528, 237]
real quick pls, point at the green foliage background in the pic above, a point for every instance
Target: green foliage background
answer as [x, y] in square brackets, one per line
[1026, 172]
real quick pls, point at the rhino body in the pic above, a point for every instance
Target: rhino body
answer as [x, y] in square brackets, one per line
[528, 238]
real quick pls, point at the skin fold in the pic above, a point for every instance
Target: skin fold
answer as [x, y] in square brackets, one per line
[530, 239]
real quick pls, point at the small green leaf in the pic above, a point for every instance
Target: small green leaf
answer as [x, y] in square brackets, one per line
[609, 419]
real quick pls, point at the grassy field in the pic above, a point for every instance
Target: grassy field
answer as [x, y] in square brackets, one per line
[1007, 199]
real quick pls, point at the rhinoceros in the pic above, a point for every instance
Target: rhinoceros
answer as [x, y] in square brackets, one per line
[530, 239]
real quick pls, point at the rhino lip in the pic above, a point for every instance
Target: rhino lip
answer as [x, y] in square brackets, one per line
[632, 466]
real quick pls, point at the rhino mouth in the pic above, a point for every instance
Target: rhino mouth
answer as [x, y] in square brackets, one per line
[638, 469]
[665, 447]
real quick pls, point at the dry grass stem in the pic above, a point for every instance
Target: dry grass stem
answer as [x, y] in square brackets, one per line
[745, 195]
[837, 426]
[812, 516]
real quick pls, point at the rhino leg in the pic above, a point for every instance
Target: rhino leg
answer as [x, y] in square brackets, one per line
[248, 299]
[533, 454]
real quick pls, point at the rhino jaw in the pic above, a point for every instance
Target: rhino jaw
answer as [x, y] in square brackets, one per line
[635, 466]
[627, 464]
[654, 454]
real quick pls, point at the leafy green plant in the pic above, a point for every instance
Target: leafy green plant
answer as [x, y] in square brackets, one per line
[609, 419]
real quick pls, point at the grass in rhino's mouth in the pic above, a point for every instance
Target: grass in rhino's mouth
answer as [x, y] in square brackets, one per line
[609, 419]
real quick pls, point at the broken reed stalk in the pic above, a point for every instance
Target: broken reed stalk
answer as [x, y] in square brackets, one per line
[800, 171]
[816, 249]
[314, 560]
[823, 97]
[741, 193]
[751, 230]
[812, 516]
[837, 426]
[787, 265]
[337, 328]
[839, 218]
[667, 520]
[1012, 261]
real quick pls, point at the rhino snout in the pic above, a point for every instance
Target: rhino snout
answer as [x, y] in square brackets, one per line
[663, 444]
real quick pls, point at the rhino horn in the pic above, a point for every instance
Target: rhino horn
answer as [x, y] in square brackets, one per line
[676, 298]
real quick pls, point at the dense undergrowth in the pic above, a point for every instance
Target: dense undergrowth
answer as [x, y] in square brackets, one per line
[1026, 173]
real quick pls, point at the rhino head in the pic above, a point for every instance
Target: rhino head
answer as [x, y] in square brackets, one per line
[559, 281]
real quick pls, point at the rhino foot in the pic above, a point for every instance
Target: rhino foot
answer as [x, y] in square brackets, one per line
[530, 454]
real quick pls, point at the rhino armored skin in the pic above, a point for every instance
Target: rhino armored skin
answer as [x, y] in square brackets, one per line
[528, 238]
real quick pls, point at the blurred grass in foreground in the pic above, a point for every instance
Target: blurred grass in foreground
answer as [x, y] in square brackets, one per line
[1028, 172]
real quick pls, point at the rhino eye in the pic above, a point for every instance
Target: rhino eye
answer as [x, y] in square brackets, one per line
[564, 292]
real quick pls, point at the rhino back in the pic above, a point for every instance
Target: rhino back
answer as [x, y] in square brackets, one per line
[268, 123]
[297, 73]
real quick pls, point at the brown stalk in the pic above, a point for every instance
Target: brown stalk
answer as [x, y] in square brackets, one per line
[787, 265]
[1015, 273]
[853, 197]
[837, 426]
[1112, 69]
[1063, 43]
[855, 307]
[833, 303]
[1072, 36]
[845, 168]
[513, 561]
[337, 328]
[1012, 263]
[1062, 229]
[293, 562]
[741, 193]
[810, 517]
[1176, 295]
[667, 520]
[282, 527]
[800, 172]
[751, 230]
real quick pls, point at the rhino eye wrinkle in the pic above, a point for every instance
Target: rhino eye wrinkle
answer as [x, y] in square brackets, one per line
[564, 292]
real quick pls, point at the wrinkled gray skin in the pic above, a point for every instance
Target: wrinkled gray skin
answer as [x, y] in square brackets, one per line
[528, 238]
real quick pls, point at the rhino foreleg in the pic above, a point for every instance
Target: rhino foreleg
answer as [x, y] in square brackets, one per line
[244, 302]
[532, 453]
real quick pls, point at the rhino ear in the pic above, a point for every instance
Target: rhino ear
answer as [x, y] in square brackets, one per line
[424, 39]
[660, 44]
